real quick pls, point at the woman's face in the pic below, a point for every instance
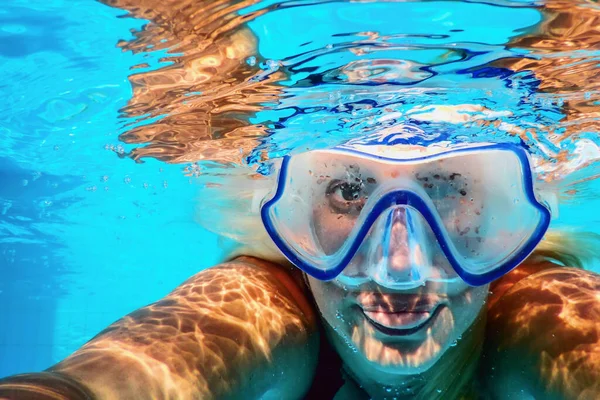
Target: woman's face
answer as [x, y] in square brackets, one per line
[375, 329]
[398, 306]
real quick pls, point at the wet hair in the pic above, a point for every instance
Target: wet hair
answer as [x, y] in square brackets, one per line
[228, 205]
[569, 248]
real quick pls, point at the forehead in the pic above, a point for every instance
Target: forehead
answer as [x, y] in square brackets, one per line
[399, 152]
[493, 163]
[403, 156]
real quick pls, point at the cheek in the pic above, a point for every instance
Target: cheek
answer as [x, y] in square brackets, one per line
[466, 306]
[331, 228]
[331, 302]
[462, 214]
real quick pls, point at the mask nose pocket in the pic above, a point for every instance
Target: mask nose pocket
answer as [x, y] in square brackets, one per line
[399, 252]
[402, 248]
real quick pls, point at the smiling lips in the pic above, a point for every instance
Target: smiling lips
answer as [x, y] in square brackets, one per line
[399, 315]
[402, 320]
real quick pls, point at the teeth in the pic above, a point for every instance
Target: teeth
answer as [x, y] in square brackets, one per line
[403, 320]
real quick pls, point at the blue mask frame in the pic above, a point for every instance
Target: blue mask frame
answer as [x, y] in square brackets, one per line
[411, 199]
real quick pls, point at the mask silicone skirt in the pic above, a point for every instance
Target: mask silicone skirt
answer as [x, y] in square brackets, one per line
[392, 205]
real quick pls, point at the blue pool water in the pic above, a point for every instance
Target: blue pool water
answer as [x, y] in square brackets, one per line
[87, 234]
[85, 237]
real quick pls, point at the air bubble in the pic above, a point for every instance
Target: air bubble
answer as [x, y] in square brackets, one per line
[251, 61]
[270, 65]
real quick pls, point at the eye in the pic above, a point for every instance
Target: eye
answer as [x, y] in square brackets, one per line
[348, 191]
[346, 197]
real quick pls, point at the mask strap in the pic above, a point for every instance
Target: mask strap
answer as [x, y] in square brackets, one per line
[550, 199]
[257, 199]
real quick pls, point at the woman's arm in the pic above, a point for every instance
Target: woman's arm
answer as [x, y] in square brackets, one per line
[240, 329]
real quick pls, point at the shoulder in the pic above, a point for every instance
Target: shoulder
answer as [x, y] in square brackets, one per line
[543, 335]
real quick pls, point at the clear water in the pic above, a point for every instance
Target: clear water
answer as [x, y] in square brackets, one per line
[112, 116]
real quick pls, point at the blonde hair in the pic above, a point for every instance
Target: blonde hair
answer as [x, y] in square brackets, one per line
[229, 205]
[570, 248]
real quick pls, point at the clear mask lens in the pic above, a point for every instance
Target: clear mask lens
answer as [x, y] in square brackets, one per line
[476, 205]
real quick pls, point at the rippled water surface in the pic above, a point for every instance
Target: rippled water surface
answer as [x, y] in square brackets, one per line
[115, 114]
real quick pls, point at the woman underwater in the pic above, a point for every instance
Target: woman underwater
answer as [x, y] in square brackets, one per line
[370, 270]
[398, 245]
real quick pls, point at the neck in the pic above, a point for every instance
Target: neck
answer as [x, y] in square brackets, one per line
[451, 377]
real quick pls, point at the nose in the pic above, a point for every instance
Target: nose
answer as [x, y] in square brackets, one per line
[402, 258]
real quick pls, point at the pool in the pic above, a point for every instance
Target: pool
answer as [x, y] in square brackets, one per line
[114, 122]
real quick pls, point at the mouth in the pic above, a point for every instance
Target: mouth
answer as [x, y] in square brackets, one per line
[402, 323]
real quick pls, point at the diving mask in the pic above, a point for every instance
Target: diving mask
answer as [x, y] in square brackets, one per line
[391, 207]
